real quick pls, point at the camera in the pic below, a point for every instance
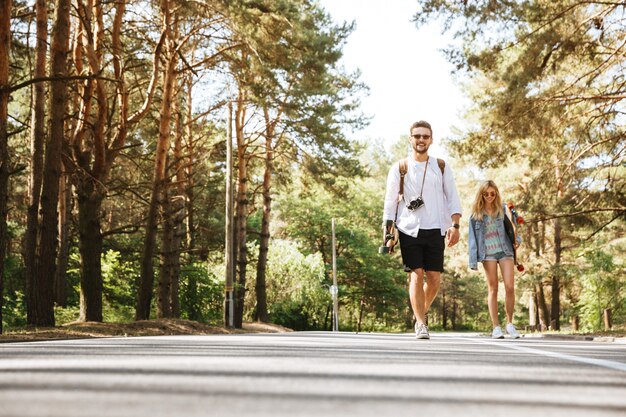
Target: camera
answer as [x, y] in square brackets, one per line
[415, 204]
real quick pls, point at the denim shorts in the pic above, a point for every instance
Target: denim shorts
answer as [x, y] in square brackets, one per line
[497, 257]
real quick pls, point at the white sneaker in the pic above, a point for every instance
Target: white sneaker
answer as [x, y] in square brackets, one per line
[421, 331]
[497, 333]
[512, 331]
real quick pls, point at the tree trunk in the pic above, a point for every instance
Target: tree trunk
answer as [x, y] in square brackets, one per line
[229, 226]
[444, 310]
[37, 139]
[147, 264]
[65, 209]
[90, 199]
[5, 44]
[453, 319]
[173, 224]
[556, 278]
[163, 307]
[43, 282]
[242, 213]
[261, 291]
[544, 314]
[179, 215]
[91, 152]
[536, 245]
[360, 321]
[88, 145]
[189, 171]
[533, 318]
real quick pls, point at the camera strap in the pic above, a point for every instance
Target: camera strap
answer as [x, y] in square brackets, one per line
[403, 166]
[424, 178]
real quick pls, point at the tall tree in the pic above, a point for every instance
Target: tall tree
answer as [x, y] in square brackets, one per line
[290, 77]
[159, 178]
[101, 130]
[5, 44]
[173, 221]
[264, 243]
[37, 139]
[89, 47]
[65, 212]
[43, 282]
[548, 89]
[241, 211]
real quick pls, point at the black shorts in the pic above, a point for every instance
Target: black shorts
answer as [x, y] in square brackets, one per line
[425, 251]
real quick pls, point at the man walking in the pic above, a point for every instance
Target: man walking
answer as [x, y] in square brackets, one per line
[422, 200]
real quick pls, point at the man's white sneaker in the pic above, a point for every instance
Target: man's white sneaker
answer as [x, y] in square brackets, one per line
[497, 333]
[512, 331]
[421, 331]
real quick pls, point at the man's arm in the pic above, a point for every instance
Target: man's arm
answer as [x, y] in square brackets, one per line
[454, 206]
[454, 234]
[450, 192]
[391, 193]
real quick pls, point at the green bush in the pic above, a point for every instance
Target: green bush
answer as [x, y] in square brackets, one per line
[201, 294]
[14, 303]
[119, 287]
[291, 314]
[603, 284]
[296, 295]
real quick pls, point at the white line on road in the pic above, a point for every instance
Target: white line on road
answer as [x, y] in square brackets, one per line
[618, 366]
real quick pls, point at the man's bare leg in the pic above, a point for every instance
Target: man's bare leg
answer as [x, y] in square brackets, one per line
[431, 288]
[417, 295]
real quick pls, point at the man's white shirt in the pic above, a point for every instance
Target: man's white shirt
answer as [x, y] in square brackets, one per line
[440, 196]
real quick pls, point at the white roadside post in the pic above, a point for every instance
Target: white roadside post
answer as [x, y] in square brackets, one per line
[334, 290]
[229, 302]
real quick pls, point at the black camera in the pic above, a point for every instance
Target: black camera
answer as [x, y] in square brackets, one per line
[415, 204]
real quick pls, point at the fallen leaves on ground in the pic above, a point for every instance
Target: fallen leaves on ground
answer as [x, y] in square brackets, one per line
[161, 327]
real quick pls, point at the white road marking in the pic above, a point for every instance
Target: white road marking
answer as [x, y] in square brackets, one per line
[618, 366]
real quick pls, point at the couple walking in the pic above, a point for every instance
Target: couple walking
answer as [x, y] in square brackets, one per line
[423, 211]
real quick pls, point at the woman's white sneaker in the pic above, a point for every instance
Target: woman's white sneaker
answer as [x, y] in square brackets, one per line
[497, 333]
[421, 331]
[512, 331]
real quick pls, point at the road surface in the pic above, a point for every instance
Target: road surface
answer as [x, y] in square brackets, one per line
[313, 374]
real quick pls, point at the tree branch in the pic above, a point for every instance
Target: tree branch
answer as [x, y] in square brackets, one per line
[620, 212]
[13, 88]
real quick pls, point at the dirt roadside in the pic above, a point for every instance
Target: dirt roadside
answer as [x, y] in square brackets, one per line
[82, 330]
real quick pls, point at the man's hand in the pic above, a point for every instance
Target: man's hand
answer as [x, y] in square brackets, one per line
[390, 245]
[452, 236]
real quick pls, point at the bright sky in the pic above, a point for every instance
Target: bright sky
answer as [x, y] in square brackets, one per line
[408, 76]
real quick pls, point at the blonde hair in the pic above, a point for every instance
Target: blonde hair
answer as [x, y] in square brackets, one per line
[478, 206]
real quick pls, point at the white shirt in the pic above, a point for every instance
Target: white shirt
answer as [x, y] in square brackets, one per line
[440, 196]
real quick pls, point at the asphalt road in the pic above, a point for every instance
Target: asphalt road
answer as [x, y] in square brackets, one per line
[317, 373]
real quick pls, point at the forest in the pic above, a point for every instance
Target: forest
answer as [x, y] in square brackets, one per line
[160, 157]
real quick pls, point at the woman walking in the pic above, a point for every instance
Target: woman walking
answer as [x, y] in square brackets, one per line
[490, 244]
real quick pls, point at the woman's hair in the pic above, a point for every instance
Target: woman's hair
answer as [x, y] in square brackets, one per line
[478, 206]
